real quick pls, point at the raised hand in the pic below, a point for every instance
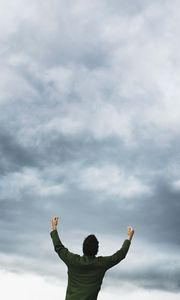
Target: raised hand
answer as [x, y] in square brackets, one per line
[54, 222]
[130, 232]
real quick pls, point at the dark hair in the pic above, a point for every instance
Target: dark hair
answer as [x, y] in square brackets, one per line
[90, 245]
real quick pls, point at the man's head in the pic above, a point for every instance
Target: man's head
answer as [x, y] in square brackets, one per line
[90, 245]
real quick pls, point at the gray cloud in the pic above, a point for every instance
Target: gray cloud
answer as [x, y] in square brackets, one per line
[13, 155]
[89, 130]
[156, 277]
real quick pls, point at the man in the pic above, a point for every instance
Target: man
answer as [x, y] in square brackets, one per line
[86, 273]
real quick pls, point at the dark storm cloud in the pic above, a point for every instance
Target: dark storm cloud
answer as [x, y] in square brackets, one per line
[160, 214]
[157, 277]
[13, 155]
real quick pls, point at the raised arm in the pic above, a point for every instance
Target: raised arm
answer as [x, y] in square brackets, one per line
[110, 261]
[66, 256]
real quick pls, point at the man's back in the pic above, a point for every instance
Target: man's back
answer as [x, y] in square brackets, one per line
[84, 278]
[86, 273]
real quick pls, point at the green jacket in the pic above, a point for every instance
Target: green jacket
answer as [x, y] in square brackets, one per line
[85, 273]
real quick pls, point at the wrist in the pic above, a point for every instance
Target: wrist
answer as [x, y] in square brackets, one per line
[54, 227]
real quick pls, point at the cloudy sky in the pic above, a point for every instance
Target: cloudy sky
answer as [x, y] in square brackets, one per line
[90, 131]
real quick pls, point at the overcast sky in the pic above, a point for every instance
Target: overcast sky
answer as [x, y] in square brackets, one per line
[90, 131]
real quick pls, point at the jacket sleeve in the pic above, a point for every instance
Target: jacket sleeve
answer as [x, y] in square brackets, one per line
[67, 257]
[112, 260]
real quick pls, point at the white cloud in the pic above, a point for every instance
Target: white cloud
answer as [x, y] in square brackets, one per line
[112, 181]
[111, 121]
[16, 184]
[29, 286]
[65, 125]
[38, 288]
